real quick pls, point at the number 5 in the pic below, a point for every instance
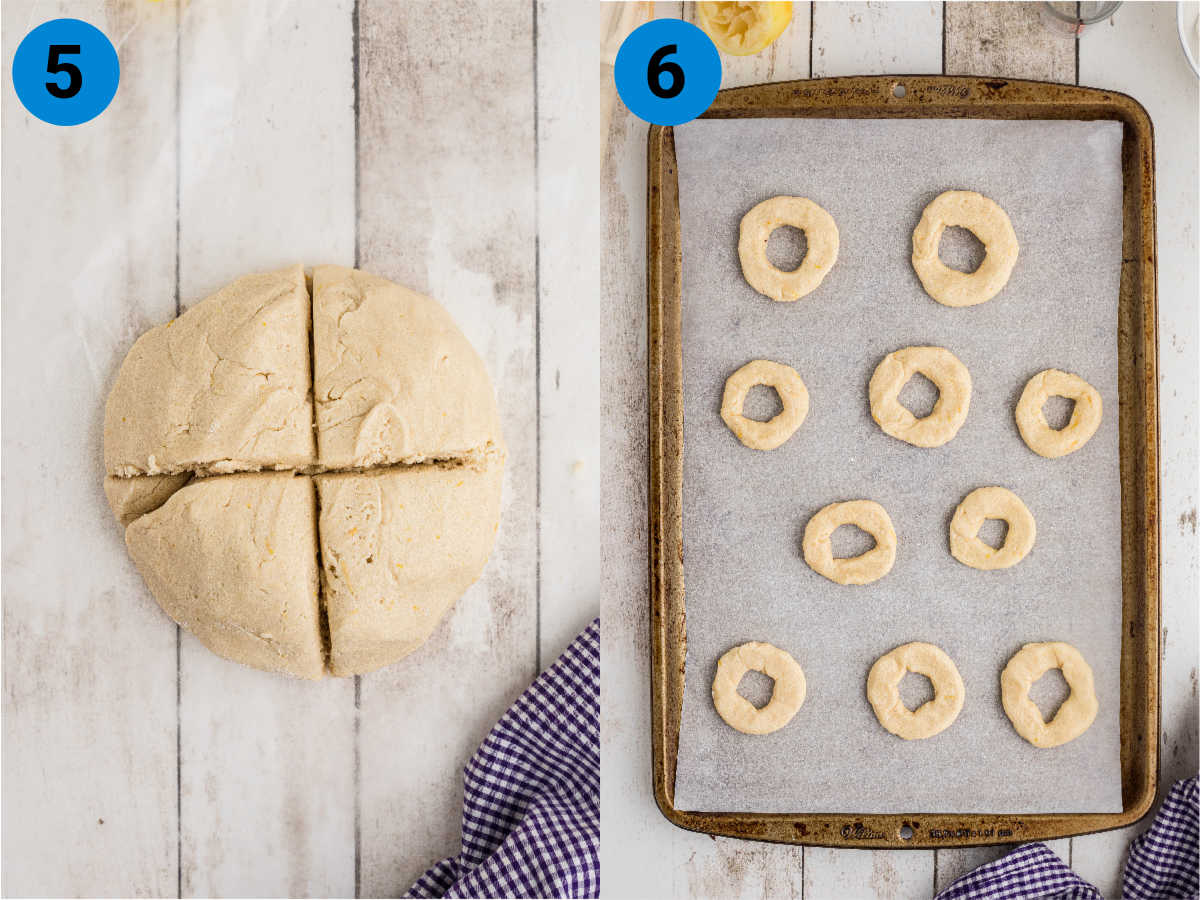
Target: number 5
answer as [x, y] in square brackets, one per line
[55, 67]
[656, 67]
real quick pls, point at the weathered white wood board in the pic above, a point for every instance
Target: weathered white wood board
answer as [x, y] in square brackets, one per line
[449, 138]
[1138, 53]
[89, 659]
[569, 313]
[1008, 40]
[876, 38]
[266, 179]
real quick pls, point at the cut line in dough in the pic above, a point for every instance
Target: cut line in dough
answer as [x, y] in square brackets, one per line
[883, 690]
[792, 394]
[987, 221]
[1031, 421]
[820, 231]
[991, 503]
[786, 698]
[863, 569]
[1077, 712]
[940, 366]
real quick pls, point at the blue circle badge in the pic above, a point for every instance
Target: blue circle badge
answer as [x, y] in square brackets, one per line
[66, 71]
[667, 72]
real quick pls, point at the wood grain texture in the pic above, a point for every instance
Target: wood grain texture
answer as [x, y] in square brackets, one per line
[1138, 52]
[448, 138]
[266, 179]
[876, 38]
[569, 304]
[1006, 39]
[89, 801]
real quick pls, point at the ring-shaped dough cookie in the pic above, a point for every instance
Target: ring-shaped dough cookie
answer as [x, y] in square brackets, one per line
[786, 698]
[820, 232]
[991, 503]
[870, 566]
[883, 690]
[1085, 418]
[792, 394]
[988, 222]
[1077, 712]
[941, 367]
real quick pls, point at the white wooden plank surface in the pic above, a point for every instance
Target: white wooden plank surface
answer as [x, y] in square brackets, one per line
[876, 38]
[1006, 39]
[89, 802]
[569, 311]
[1138, 53]
[266, 179]
[448, 206]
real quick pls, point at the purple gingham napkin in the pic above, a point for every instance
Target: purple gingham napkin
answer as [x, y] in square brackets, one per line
[1162, 863]
[531, 805]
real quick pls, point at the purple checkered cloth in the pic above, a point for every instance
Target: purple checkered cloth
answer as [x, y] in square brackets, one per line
[1162, 863]
[531, 804]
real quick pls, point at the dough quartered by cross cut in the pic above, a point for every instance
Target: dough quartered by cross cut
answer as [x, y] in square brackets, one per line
[396, 381]
[298, 537]
[223, 388]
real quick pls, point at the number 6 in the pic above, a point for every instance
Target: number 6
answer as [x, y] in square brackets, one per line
[656, 67]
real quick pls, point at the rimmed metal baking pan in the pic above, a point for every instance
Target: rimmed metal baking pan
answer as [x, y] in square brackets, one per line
[917, 97]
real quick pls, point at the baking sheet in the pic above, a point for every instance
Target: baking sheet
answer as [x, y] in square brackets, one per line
[744, 511]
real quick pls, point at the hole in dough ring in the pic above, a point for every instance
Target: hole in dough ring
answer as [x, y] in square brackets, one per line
[1031, 421]
[991, 503]
[883, 690]
[870, 566]
[988, 222]
[820, 231]
[786, 698]
[792, 394]
[941, 367]
[1077, 712]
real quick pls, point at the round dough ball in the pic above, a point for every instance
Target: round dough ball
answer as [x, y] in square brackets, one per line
[210, 462]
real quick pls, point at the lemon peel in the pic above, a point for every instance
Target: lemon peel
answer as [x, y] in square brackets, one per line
[743, 29]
